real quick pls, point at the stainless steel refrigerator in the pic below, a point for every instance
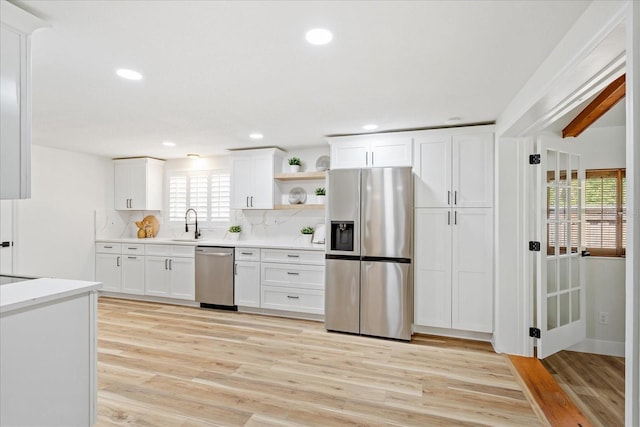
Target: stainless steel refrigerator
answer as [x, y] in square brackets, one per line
[369, 286]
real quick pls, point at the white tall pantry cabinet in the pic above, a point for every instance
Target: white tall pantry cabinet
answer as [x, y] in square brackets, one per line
[453, 257]
[16, 26]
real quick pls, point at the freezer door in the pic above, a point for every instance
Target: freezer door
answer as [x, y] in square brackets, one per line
[343, 207]
[387, 206]
[342, 295]
[386, 306]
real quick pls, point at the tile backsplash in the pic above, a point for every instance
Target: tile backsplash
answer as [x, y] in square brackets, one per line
[260, 225]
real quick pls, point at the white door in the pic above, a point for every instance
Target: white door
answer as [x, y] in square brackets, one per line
[350, 153]
[133, 274]
[138, 186]
[157, 280]
[472, 269]
[240, 182]
[433, 267]
[262, 183]
[389, 150]
[122, 186]
[472, 176]
[560, 286]
[6, 236]
[109, 271]
[433, 171]
[183, 278]
[247, 284]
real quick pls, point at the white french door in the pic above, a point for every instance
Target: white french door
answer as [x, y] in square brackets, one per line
[560, 297]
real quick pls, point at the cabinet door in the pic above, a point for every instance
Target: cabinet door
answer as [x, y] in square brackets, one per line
[133, 274]
[157, 280]
[122, 188]
[183, 278]
[247, 284]
[11, 139]
[347, 154]
[433, 171]
[109, 272]
[472, 270]
[473, 170]
[391, 151]
[138, 187]
[432, 266]
[262, 183]
[240, 182]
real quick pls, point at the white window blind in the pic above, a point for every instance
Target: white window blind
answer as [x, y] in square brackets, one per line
[208, 192]
[605, 212]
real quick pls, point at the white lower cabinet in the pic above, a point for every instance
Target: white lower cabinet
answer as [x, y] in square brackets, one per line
[109, 271]
[120, 267]
[454, 268]
[247, 284]
[170, 271]
[296, 285]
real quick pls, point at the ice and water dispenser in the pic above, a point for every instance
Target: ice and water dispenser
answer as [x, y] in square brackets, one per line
[342, 235]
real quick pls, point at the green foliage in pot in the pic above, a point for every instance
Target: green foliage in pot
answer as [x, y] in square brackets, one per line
[320, 191]
[307, 230]
[295, 161]
[235, 229]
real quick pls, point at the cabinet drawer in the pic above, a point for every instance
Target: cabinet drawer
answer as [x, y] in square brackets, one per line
[299, 276]
[291, 299]
[183, 251]
[133, 249]
[108, 248]
[158, 250]
[293, 256]
[248, 254]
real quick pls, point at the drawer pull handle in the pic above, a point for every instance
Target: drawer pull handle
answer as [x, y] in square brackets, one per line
[132, 257]
[133, 249]
[293, 273]
[108, 247]
[293, 256]
[293, 297]
[246, 253]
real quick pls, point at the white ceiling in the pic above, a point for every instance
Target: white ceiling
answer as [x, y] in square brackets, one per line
[216, 71]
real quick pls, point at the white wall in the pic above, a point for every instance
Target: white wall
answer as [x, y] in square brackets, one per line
[55, 228]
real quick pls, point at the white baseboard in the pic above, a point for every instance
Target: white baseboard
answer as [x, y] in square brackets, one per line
[606, 348]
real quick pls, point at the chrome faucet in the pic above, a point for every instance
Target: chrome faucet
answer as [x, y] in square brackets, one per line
[186, 223]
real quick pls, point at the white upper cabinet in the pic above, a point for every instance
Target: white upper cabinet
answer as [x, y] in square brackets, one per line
[454, 167]
[138, 184]
[16, 25]
[252, 177]
[371, 150]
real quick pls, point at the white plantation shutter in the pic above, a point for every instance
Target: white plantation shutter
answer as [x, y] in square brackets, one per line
[208, 192]
[220, 196]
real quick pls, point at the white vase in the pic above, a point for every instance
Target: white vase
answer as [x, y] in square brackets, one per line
[320, 199]
[234, 236]
[306, 238]
[294, 168]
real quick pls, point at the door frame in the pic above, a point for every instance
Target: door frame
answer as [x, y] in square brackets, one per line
[560, 83]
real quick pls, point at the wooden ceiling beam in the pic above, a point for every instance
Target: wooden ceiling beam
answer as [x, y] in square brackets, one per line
[596, 108]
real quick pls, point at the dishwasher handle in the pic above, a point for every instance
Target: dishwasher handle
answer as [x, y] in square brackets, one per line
[218, 254]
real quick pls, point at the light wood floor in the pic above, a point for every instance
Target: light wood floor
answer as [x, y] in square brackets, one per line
[163, 365]
[595, 383]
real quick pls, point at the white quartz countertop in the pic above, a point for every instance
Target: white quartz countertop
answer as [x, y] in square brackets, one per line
[15, 296]
[224, 243]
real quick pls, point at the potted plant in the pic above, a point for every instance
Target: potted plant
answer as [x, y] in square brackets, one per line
[320, 195]
[307, 234]
[294, 164]
[234, 232]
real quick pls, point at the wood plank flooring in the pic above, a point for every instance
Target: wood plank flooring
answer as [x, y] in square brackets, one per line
[163, 365]
[594, 382]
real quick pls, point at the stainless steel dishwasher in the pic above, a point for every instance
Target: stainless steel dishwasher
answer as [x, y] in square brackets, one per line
[214, 277]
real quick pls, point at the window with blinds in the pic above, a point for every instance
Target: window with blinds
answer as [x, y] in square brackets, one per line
[208, 192]
[605, 212]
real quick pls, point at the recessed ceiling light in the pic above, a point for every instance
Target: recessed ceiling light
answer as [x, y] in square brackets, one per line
[256, 136]
[193, 155]
[128, 74]
[370, 127]
[453, 121]
[319, 36]
[168, 144]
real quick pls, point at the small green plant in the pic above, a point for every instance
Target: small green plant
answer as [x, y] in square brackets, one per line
[235, 229]
[295, 161]
[307, 230]
[320, 191]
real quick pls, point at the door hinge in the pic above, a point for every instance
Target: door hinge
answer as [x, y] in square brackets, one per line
[534, 332]
[534, 159]
[534, 246]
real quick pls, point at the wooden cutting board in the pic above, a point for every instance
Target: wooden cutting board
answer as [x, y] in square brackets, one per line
[153, 221]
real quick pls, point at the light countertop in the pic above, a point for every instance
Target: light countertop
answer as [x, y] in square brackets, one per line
[224, 243]
[15, 296]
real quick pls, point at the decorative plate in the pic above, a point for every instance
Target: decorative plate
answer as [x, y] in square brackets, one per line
[323, 163]
[297, 196]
